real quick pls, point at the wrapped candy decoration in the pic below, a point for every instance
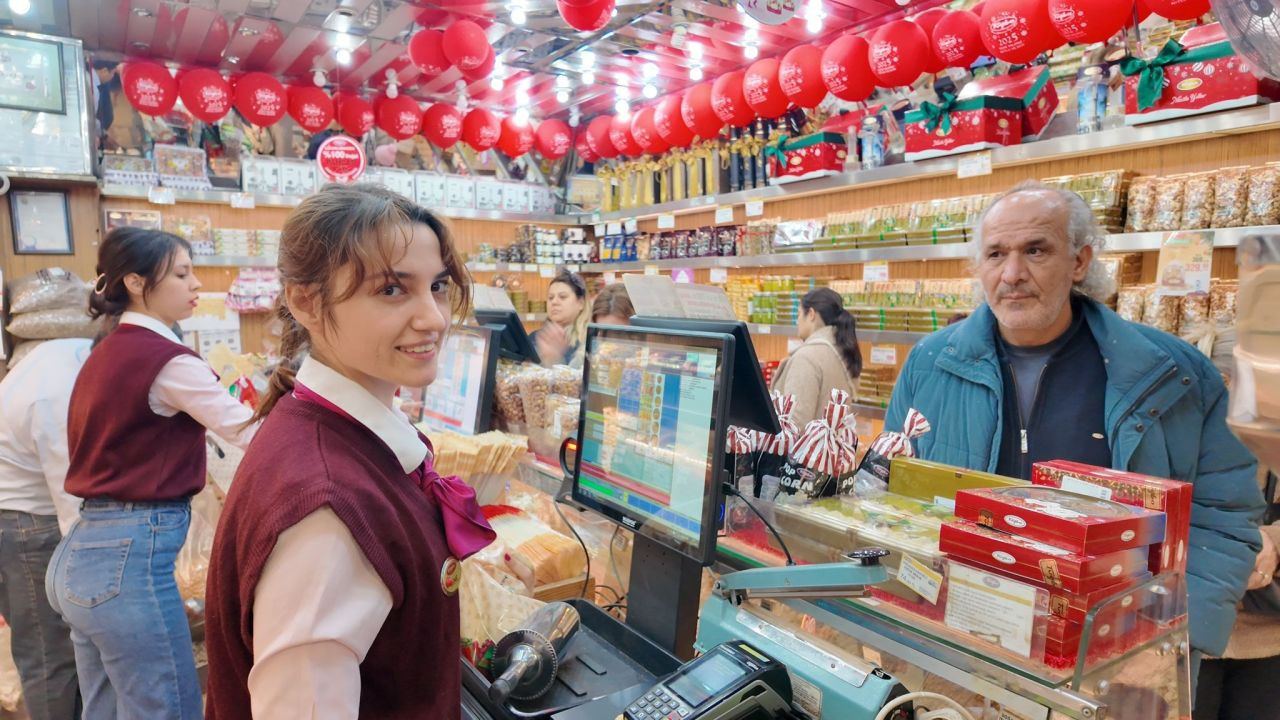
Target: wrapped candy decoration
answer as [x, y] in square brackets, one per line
[826, 452]
[775, 450]
[872, 477]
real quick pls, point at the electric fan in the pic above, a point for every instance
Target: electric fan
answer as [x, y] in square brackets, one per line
[1253, 27]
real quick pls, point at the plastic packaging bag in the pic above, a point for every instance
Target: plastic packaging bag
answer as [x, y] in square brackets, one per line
[254, 291]
[67, 322]
[47, 289]
[536, 554]
[191, 568]
[489, 609]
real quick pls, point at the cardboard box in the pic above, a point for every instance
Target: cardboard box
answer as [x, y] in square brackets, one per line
[938, 483]
[803, 158]
[460, 192]
[1040, 562]
[1172, 497]
[1031, 88]
[1080, 524]
[1205, 76]
[429, 189]
[515, 197]
[489, 194]
[961, 126]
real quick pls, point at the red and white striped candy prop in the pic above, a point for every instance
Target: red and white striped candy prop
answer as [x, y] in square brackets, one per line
[821, 448]
[895, 444]
[783, 442]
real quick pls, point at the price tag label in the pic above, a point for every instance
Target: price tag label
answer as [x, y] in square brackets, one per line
[719, 276]
[755, 208]
[875, 271]
[650, 269]
[485, 267]
[595, 218]
[613, 228]
[546, 271]
[530, 268]
[884, 355]
[666, 221]
[974, 164]
[610, 277]
[157, 195]
[920, 577]
[724, 214]
[243, 201]
[763, 329]
[573, 268]
[630, 225]
[599, 230]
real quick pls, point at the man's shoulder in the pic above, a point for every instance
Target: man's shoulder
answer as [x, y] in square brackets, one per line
[926, 351]
[1184, 354]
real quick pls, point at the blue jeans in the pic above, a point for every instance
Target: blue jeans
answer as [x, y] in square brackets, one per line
[41, 640]
[112, 580]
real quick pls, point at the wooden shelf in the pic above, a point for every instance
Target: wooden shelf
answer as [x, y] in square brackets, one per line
[232, 261]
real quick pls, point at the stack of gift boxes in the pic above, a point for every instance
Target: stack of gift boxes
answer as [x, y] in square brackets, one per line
[1082, 534]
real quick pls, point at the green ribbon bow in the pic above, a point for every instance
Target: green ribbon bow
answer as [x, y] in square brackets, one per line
[778, 149]
[939, 114]
[1151, 83]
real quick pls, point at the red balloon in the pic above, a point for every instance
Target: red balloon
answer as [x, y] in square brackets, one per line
[620, 136]
[486, 67]
[260, 98]
[898, 53]
[645, 132]
[310, 107]
[586, 18]
[481, 129]
[465, 44]
[583, 146]
[928, 20]
[355, 114]
[515, 138]
[800, 76]
[1017, 31]
[442, 125]
[1144, 12]
[669, 122]
[762, 91]
[698, 114]
[149, 86]
[957, 38]
[846, 70]
[1179, 9]
[426, 49]
[205, 94]
[1089, 21]
[598, 137]
[728, 102]
[553, 139]
[400, 116]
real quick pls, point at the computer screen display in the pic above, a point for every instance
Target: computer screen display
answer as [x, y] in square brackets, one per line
[652, 432]
[460, 398]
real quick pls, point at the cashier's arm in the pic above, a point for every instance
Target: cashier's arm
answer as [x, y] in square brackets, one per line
[317, 609]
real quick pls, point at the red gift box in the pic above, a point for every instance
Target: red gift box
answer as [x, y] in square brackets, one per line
[1031, 87]
[1084, 525]
[1040, 562]
[960, 126]
[1200, 74]
[1172, 497]
[807, 157]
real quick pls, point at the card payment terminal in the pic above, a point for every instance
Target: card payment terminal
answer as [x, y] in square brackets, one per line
[734, 680]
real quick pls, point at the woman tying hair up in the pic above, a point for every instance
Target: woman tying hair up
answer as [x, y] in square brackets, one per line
[829, 358]
[334, 575]
[136, 440]
[559, 340]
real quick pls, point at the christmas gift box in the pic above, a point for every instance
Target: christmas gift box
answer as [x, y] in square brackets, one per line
[1073, 522]
[1036, 95]
[1040, 562]
[958, 126]
[1172, 497]
[938, 483]
[806, 157]
[1200, 74]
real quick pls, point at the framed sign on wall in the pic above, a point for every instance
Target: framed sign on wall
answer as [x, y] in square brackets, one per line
[41, 222]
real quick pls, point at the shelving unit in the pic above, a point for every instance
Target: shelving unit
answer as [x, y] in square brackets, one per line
[232, 261]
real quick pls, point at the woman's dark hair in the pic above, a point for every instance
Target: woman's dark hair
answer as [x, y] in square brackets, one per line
[612, 300]
[573, 280]
[128, 251]
[830, 307]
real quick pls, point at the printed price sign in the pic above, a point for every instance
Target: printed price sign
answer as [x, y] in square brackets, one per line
[719, 276]
[161, 195]
[974, 164]
[884, 355]
[243, 201]
[755, 208]
[666, 221]
[1186, 259]
[724, 215]
[875, 271]
[630, 225]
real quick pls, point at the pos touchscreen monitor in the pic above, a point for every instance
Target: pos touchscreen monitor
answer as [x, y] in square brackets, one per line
[651, 435]
[462, 394]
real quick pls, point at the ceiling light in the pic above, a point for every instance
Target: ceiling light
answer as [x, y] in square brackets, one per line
[518, 15]
[317, 78]
[522, 116]
[615, 13]
[562, 96]
[588, 78]
[650, 91]
[813, 25]
[495, 83]
[623, 92]
[588, 58]
[562, 81]
[695, 73]
[751, 52]
[343, 56]
[622, 108]
[695, 50]
[20, 7]
[650, 70]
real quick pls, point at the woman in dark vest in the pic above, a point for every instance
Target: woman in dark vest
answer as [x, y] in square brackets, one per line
[136, 439]
[334, 576]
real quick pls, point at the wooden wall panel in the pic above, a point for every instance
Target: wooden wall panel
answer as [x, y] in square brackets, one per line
[82, 204]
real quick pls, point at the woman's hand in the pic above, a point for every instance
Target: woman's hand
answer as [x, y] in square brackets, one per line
[553, 343]
[1264, 568]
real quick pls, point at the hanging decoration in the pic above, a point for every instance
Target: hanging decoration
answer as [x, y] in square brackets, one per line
[515, 139]
[645, 131]
[898, 52]
[465, 44]
[669, 121]
[481, 129]
[442, 125]
[698, 114]
[355, 114]
[846, 70]
[585, 151]
[1089, 21]
[149, 87]
[927, 21]
[761, 89]
[260, 98]
[957, 38]
[310, 107]
[553, 139]
[588, 17]
[484, 69]
[1017, 31]
[620, 136]
[598, 137]
[1178, 9]
[400, 117]
[800, 76]
[205, 94]
[426, 50]
[728, 102]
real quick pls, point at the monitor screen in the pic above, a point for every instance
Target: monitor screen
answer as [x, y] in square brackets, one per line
[652, 432]
[460, 398]
[515, 343]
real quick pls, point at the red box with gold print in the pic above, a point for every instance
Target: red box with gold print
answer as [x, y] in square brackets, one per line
[1083, 525]
[1040, 562]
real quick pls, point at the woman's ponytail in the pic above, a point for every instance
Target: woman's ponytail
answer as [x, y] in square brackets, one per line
[830, 307]
[293, 344]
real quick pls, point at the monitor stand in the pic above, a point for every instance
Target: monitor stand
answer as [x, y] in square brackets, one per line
[662, 600]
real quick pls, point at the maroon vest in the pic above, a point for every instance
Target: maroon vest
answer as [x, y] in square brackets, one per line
[303, 458]
[119, 447]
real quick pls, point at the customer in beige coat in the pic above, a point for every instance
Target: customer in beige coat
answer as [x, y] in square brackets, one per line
[829, 358]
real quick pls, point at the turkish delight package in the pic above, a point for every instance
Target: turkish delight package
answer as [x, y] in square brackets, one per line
[1080, 524]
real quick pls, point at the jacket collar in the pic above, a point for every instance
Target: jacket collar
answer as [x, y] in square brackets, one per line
[825, 335]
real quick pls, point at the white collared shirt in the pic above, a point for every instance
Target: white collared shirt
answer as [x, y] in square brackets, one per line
[319, 603]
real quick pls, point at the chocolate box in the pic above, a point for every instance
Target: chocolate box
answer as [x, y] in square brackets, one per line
[1040, 562]
[1200, 74]
[806, 157]
[1084, 525]
[959, 126]
[1032, 88]
[938, 483]
[1172, 497]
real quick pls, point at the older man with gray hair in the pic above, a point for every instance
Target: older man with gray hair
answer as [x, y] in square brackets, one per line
[1043, 371]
